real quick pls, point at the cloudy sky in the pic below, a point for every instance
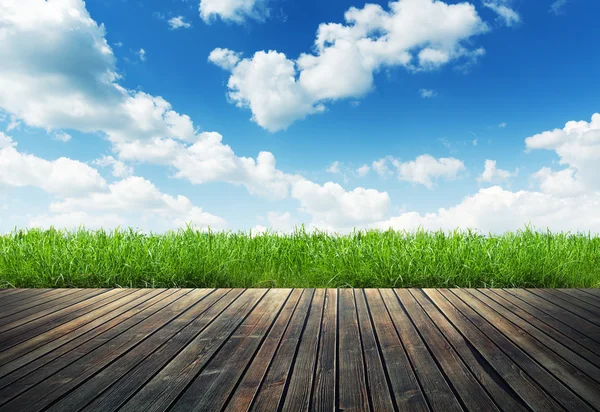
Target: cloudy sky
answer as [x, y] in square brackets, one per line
[256, 114]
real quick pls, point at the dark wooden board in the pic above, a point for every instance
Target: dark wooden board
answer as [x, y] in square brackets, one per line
[299, 349]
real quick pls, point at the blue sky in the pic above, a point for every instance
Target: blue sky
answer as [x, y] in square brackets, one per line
[265, 114]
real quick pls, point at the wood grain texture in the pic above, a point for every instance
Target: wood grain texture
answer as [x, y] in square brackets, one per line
[299, 349]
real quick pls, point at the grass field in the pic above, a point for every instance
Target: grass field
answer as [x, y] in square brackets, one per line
[189, 258]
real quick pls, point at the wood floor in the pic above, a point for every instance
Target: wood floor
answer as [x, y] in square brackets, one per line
[301, 349]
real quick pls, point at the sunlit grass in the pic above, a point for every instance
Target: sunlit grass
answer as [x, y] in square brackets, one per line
[189, 258]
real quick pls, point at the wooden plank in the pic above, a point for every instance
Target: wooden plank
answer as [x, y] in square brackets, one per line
[5, 292]
[210, 390]
[559, 331]
[549, 382]
[352, 386]
[129, 372]
[246, 390]
[35, 300]
[489, 378]
[22, 296]
[591, 291]
[464, 383]
[566, 317]
[380, 388]
[53, 311]
[546, 336]
[166, 386]
[48, 364]
[63, 300]
[572, 377]
[324, 392]
[582, 295]
[433, 383]
[407, 392]
[41, 325]
[67, 378]
[498, 352]
[573, 299]
[54, 337]
[566, 305]
[272, 386]
[299, 388]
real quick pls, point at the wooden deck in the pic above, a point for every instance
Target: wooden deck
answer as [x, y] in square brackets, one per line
[301, 349]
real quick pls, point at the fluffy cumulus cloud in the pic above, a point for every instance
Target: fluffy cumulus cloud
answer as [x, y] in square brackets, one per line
[578, 146]
[63, 176]
[119, 169]
[567, 199]
[236, 11]
[497, 210]
[138, 195]
[331, 207]
[86, 198]
[424, 170]
[491, 174]
[415, 34]
[58, 72]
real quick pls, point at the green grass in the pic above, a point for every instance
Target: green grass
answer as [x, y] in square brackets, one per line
[188, 258]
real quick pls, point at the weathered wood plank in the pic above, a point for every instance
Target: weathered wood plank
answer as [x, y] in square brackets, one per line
[549, 382]
[210, 390]
[352, 384]
[557, 312]
[65, 379]
[21, 305]
[583, 314]
[131, 314]
[435, 387]
[129, 372]
[477, 354]
[582, 295]
[466, 386]
[380, 395]
[164, 388]
[407, 392]
[272, 387]
[579, 338]
[324, 392]
[572, 299]
[247, 388]
[54, 337]
[557, 330]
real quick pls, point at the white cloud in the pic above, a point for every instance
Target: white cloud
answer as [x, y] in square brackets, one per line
[14, 124]
[562, 183]
[491, 174]
[62, 136]
[138, 196]
[557, 6]
[502, 125]
[363, 170]
[118, 44]
[141, 54]
[425, 169]
[119, 169]
[505, 13]
[578, 147]
[497, 210]
[415, 34]
[333, 208]
[381, 167]
[178, 22]
[236, 11]
[334, 167]
[277, 222]
[427, 93]
[62, 176]
[224, 58]
[474, 142]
